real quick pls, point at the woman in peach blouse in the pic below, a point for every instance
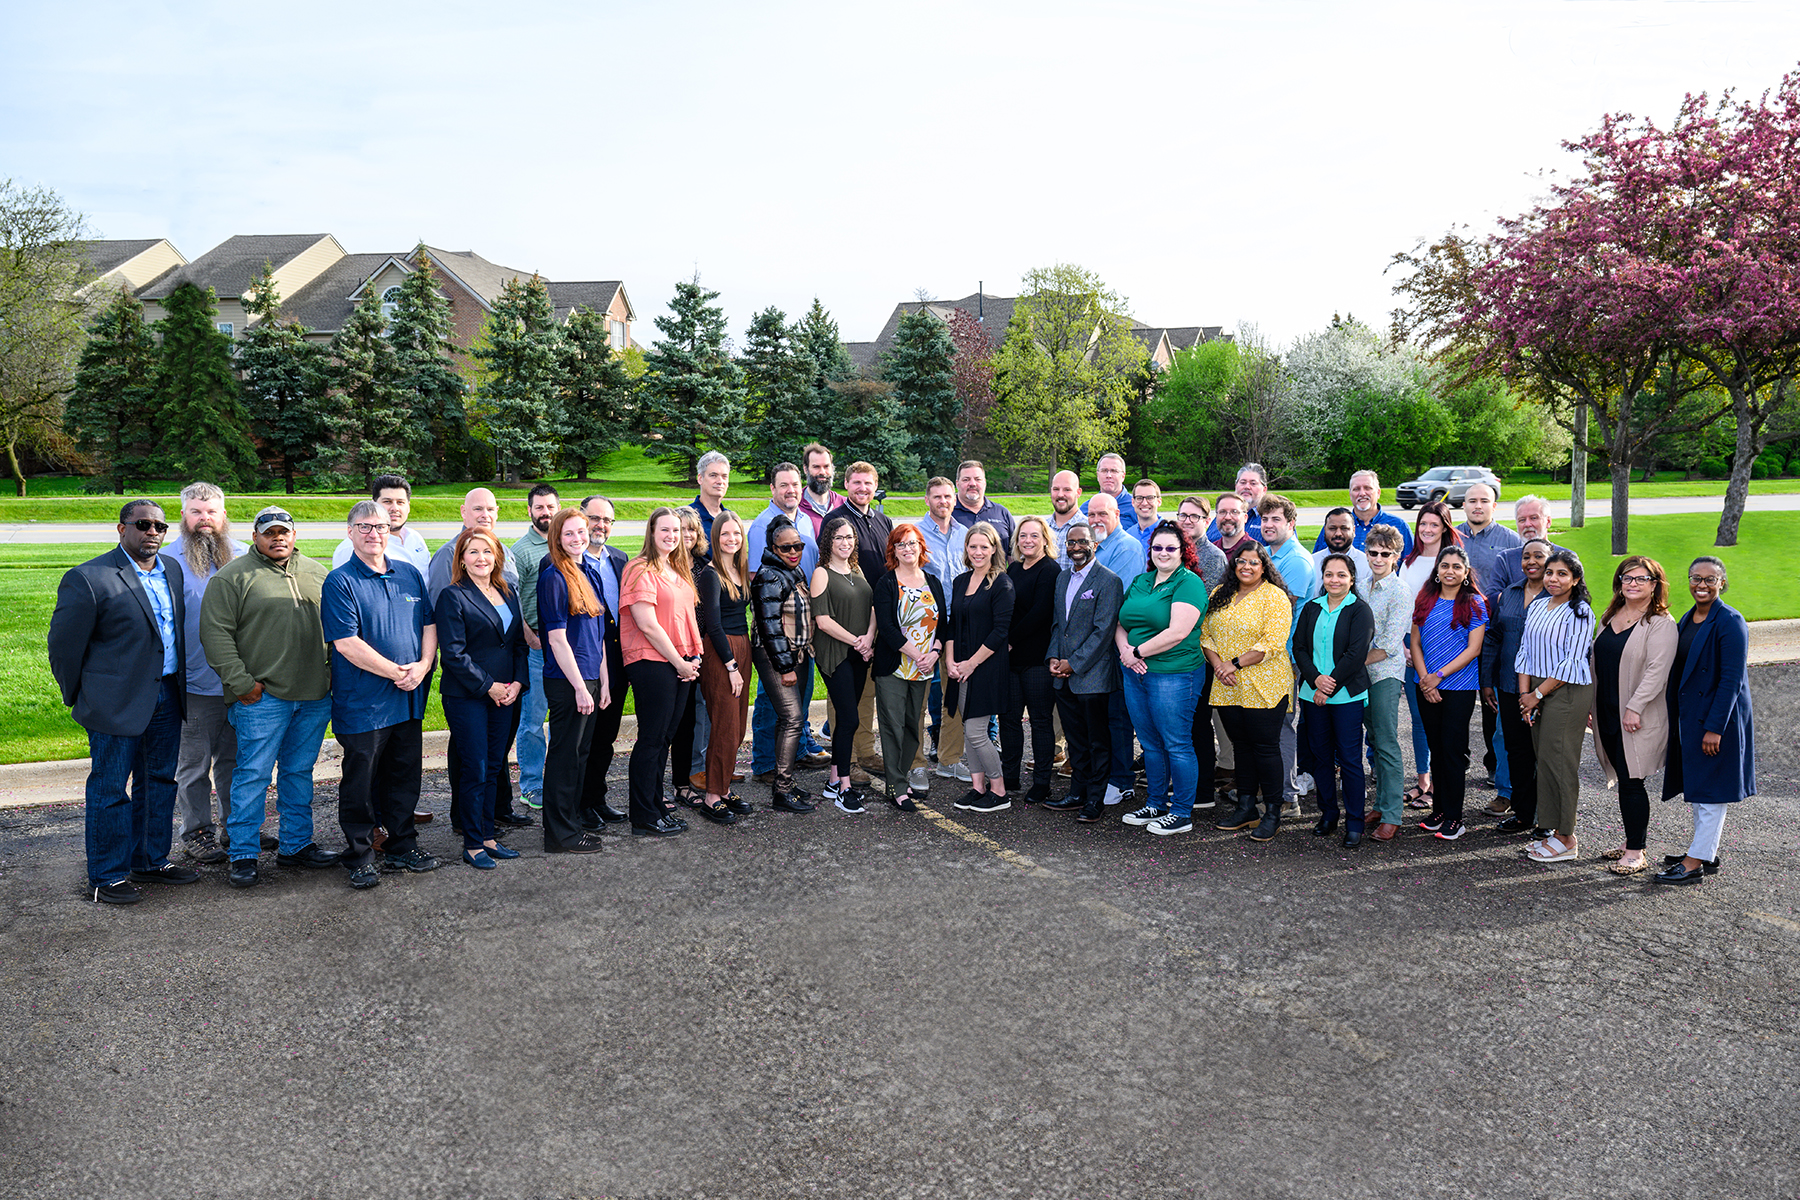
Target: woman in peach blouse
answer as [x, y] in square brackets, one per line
[1245, 637]
[661, 642]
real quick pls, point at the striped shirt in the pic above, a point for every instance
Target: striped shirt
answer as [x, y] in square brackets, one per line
[1439, 643]
[1556, 642]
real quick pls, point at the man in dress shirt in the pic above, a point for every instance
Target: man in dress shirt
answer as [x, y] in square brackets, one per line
[1085, 668]
[1109, 476]
[529, 554]
[595, 811]
[1124, 556]
[1146, 502]
[1065, 509]
[1531, 517]
[394, 495]
[944, 536]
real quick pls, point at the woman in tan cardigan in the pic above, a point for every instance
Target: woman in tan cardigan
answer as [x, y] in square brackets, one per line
[1632, 656]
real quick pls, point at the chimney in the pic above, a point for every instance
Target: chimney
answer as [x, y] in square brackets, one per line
[980, 307]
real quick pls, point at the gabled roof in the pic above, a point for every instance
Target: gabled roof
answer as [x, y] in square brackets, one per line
[229, 267]
[863, 357]
[479, 277]
[565, 298]
[327, 302]
[111, 253]
[992, 311]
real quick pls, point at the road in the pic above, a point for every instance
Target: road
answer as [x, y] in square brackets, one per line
[920, 1006]
[47, 533]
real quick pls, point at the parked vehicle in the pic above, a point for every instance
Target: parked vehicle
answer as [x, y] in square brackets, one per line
[1444, 483]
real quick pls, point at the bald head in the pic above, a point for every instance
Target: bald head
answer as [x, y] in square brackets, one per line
[1065, 492]
[480, 510]
[1103, 513]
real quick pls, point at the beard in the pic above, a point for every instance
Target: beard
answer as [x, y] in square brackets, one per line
[205, 552]
[819, 485]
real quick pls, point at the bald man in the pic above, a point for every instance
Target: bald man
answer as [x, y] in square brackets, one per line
[1065, 510]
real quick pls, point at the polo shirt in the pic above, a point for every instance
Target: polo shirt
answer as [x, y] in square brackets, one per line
[389, 611]
[1324, 632]
[408, 547]
[155, 582]
[706, 523]
[1148, 608]
[994, 514]
[1295, 565]
[1121, 554]
[587, 635]
[1362, 530]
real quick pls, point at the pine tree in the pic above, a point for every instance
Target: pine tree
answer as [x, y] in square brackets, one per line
[593, 407]
[781, 387]
[436, 426]
[199, 416]
[866, 423]
[921, 369]
[520, 356]
[109, 409]
[370, 410]
[817, 334]
[286, 385]
[693, 397]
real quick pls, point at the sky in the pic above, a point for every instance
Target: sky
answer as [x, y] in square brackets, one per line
[1249, 164]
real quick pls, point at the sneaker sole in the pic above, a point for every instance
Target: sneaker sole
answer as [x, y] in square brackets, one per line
[1134, 819]
[1160, 832]
[993, 808]
[839, 805]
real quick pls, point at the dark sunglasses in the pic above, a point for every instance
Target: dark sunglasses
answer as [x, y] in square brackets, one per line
[788, 547]
[145, 525]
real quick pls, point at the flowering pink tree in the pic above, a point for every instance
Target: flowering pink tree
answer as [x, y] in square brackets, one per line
[973, 367]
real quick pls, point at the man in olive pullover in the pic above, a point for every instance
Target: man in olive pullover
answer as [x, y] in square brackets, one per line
[260, 626]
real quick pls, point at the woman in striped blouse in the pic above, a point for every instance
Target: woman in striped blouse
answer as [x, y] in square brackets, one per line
[1449, 621]
[1556, 692]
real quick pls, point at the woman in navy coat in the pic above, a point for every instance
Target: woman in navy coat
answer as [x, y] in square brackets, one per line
[1712, 751]
[481, 634]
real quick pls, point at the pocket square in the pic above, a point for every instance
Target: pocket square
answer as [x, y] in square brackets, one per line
[1087, 595]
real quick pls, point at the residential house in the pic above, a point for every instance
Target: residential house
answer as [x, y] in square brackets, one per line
[230, 267]
[127, 263]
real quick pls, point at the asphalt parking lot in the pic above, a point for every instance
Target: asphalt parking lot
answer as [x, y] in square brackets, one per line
[943, 1005]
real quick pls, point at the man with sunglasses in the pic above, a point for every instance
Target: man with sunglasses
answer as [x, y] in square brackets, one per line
[118, 652]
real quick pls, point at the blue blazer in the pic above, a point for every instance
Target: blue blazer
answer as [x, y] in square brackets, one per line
[106, 650]
[476, 653]
[1713, 696]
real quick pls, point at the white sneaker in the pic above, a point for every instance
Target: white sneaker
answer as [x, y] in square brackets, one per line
[954, 771]
[1305, 783]
[919, 779]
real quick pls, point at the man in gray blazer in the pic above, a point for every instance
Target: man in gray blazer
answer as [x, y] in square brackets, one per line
[118, 652]
[1085, 666]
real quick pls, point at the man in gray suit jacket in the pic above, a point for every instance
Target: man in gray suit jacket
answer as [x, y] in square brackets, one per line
[118, 652]
[1085, 667]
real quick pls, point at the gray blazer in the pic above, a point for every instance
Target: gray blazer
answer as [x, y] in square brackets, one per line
[105, 649]
[1085, 635]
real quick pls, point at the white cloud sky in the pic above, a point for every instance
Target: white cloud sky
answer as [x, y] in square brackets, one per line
[1214, 163]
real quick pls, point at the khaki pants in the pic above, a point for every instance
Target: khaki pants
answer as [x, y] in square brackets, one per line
[950, 742]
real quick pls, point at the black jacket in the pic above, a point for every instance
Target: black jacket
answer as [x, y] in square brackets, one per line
[1350, 641]
[1034, 593]
[889, 637]
[106, 650]
[770, 587]
[476, 653]
[984, 619]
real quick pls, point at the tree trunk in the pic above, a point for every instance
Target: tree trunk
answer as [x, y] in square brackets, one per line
[1621, 504]
[287, 474]
[1743, 458]
[1578, 466]
[12, 463]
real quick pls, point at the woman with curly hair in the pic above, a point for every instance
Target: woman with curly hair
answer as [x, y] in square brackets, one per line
[1244, 637]
[1632, 657]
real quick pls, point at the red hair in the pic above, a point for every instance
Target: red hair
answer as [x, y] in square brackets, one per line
[898, 536]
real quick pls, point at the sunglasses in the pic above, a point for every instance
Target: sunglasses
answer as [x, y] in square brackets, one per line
[788, 548]
[146, 525]
[1165, 549]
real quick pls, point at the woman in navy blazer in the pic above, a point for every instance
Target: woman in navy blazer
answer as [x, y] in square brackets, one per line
[1712, 746]
[481, 633]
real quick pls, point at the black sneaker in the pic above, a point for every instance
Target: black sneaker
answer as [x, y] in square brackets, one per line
[167, 873]
[986, 802]
[364, 877]
[414, 860]
[1433, 823]
[120, 891]
[849, 800]
[1450, 830]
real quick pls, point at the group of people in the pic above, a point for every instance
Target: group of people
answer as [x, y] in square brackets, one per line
[1248, 669]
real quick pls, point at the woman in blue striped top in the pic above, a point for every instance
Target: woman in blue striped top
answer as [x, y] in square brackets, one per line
[1556, 693]
[1449, 621]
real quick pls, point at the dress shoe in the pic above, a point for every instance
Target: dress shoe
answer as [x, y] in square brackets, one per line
[1513, 825]
[119, 891]
[610, 815]
[1678, 874]
[167, 873]
[718, 814]
[817, 759]
[1386, 832]
[1711, 868]
[1091, 812]
[378, 839]
[421, 817]
[479, 860]
[513, 819]
[243, 873]
[662, 828]
[309, 855]
[737, 777]
[1070, 803]
[1352, 838]
[270, 842]
[1324, 826]
[1039, 794]
[739, 805]
[764, 777]
[792, 802]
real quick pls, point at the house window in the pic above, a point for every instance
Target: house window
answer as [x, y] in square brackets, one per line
[225, 327]
[390, 303]
[618, 335]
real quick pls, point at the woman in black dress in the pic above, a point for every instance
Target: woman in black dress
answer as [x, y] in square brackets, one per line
[976, 662]
[1033, 575]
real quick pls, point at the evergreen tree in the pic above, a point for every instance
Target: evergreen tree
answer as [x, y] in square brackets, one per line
[370, 410]
[436, 427]
[108, 410]
[781, 388]
[286, 384]
[593, 407]
[693, 397]
[520, 355]
[865, 423]
[921, 369]
[199, 416]
[817, 334]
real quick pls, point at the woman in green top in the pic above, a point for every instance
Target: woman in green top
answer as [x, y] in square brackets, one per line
[843, 605]
[1332, 634]
[1159, 644]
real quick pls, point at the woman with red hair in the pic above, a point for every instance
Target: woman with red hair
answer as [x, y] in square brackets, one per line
[909, 627]
[575, 682]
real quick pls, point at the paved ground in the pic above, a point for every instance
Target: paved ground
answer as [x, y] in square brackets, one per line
[919, 1006]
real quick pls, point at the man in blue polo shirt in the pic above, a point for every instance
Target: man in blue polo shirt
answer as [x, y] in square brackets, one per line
[378, 618]
[1252, 485]
[972, 504]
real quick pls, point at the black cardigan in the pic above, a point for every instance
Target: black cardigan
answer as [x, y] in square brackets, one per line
[889, 637]
[1034, 612]
[1350, 642]
[984, 619]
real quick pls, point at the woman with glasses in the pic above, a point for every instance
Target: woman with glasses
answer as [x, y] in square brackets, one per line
[1500, 685]
[1433, 530]
[661, 640]
[1556, 693]
[844, 612]
[1632, 657]
[1712, 752]
[782, 611]
[1449, 623]
[724, 586]
[1033, 575]
[1158, 639]
[976, 661]
[1331, 650]
[1244, 636]
[576, 684]
[909, 627]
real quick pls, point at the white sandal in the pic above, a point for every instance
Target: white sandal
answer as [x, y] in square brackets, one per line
[1550, 850]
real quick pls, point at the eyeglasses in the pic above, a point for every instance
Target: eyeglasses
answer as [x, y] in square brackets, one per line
[146, 525]
[1073, 542]
[1696, 580]
[908, 544]
[1636, 579]
[844, 537]
[365, 527]
[1165, 549]
[599, 521]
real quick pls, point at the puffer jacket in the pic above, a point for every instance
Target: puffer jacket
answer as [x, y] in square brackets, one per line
[770, 587]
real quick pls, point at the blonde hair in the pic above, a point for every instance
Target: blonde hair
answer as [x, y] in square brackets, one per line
[1043, 525]
[996, 564]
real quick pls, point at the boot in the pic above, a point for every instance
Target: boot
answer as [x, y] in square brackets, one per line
[1271, 822]
[1244, 815]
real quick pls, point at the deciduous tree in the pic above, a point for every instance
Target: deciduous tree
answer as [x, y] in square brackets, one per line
[41, 325]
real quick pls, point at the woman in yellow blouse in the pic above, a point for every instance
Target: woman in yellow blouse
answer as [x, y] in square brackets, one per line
[1245, 637]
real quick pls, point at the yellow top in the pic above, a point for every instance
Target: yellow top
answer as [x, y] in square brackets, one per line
[1255, 620]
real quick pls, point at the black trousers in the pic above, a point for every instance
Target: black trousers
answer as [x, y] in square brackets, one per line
[380, 787]
[1033, 692]
[1634, 798]
[1447, 733]
[1087, 726]
[681, 742]
[661, 695]
[1206, 754]
[565, 760]
[606, 736]
[1489, 722]
[1255, 735]
[844, 685]
[1521, 757]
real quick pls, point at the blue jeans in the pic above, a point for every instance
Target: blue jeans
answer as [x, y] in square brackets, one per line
[1421, 747]
[1162, 710]
[1118, 721]
[1502, 772]
[281, 736]
[532, 743]
[131, 830]
[762, 723]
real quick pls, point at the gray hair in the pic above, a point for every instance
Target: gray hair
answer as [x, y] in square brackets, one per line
[1529, 498]
[364, 509]
[1260, 471]
[1373, 478]
[201, 491]
[1120, 458]
[710, 458]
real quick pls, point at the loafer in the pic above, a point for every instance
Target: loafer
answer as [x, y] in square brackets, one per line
[814, 760]
[479, 860]
[739, 805]
[1512, 825]
[718, 814]
[513, 819]
[243, 873]
[610, 815]
[415, 860]
[1679, 875]
[364, 877]
[311, 856]
[167, 873]
[1711, 868]
[502, 850]
[791, 803]
[1066, 804]
[119, 891]
[662, 828]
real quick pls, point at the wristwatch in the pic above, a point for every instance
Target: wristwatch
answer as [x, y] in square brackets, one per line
[1539, 693]
[1235, 664]
[731, 667]
[1138, 652]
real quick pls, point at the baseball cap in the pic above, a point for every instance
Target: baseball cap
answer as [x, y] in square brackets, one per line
[274, 517]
